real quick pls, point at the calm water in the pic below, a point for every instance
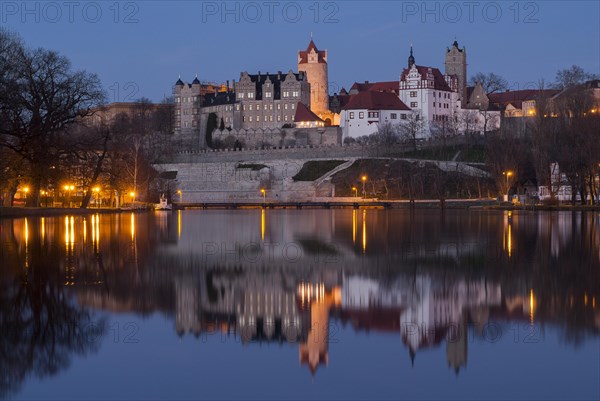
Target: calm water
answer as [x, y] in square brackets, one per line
[281, 304]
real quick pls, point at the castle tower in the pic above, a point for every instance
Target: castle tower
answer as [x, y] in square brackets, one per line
[188, 105]
[456, 64]
[314, 63]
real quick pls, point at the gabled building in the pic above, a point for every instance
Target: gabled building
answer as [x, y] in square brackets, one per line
[269, 100]
[427, 91]
[519, 103]
[365, 111]
[305, 118]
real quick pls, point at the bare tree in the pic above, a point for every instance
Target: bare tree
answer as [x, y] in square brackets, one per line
[573, 76]
[46, 97]
[490, 82]
[412, 127]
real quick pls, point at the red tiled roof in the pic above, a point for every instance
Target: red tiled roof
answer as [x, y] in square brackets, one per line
[375, 101]
[361, 87]
[304, 114]
[303, 55]
[516, 98]
[439, 82]
[384, 86]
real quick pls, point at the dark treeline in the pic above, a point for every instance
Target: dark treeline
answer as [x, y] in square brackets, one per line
[50, 133]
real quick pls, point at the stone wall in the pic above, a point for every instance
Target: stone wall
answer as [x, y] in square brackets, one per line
[227, 181]
[285, 137]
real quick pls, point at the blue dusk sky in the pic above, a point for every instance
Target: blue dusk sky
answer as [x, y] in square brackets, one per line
[139, 48]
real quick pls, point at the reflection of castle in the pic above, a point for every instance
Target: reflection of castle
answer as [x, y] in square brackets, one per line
[276, 307]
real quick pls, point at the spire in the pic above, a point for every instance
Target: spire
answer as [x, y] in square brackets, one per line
[411, 58]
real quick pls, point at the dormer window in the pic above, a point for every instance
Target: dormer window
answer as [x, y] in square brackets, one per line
[250, 95]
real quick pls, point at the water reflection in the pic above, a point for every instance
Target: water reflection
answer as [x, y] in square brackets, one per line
[297, 277]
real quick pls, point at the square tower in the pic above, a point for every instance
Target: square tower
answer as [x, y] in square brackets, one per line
[456, 64]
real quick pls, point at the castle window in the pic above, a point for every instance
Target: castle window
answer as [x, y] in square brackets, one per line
[361, 115]
[293, 106]
[251, 107]
[278, 118]
[433, 94]
[250, 118]
[186, 124]
[413, 94]
[268, 94]
[257, 119]
[241, 95]
[237, 107]
[271, 107]
[244, 119]
[296, 94]
[285, 106]
[286, 94]
[278, 106]
[393, 116]
[286, 118]
[250, 95]
[403, 116]
[271, 118]
[413, 104]
[352, 114]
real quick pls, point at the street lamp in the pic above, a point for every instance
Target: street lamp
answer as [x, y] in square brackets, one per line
[355, 192]
[180, 195]
[69, 188]
[364, 180]
[26, 190]
[97, 191]
[132, 194]
[508, 174]
[264, 194]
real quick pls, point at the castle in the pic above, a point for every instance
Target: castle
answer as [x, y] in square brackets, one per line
[259, 106]
[256, 101]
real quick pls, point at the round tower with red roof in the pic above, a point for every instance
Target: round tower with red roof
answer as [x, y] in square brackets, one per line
[314, 63]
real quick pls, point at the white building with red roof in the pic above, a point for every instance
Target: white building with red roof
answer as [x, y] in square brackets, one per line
[365, 111]
[426, 90]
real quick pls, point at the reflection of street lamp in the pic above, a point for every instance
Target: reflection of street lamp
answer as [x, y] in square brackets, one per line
[97, 191]
[364, 180]
[264, 194]
[355, 192]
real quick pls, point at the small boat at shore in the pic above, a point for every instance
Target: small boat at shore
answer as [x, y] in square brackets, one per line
[163, 205]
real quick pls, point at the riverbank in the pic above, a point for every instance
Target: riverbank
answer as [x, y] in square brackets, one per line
[547, 208]
[324, 204]
[51, 211]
